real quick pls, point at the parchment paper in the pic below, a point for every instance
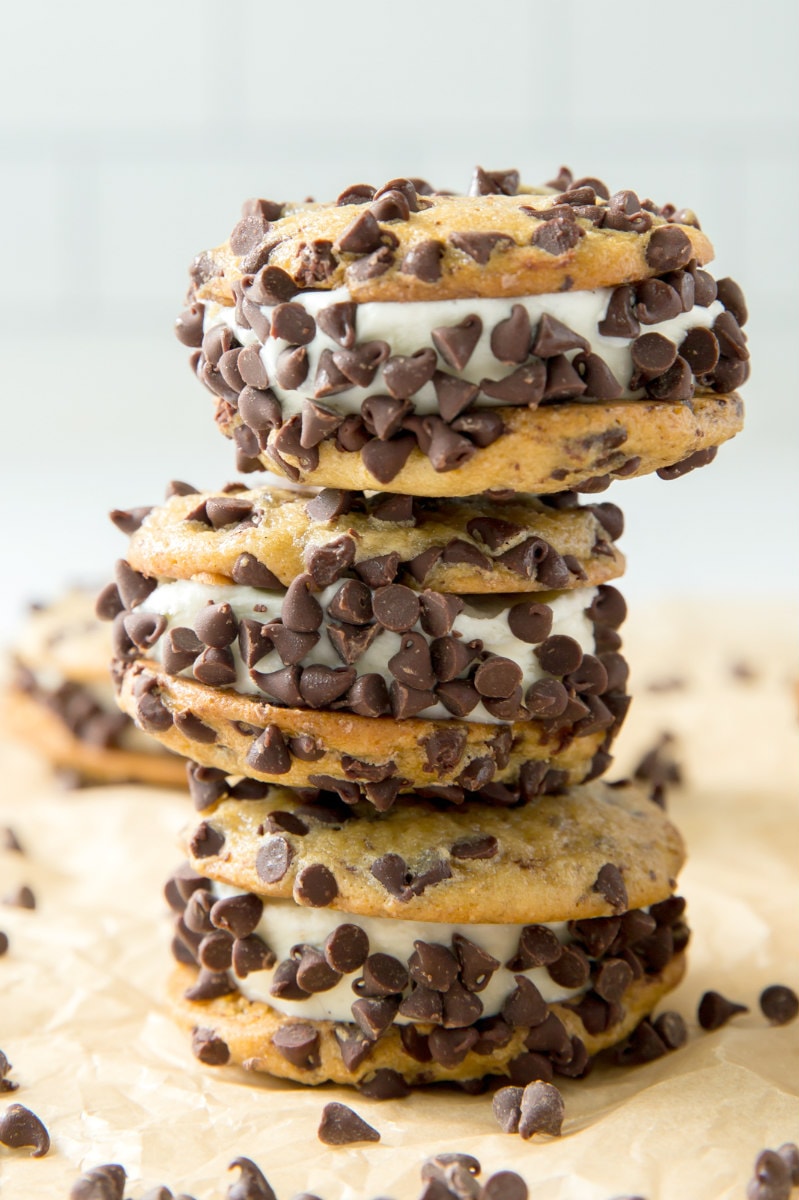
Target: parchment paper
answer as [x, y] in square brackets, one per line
[83, 1021]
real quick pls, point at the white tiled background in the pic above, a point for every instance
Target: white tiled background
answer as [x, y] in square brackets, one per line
[129, 134]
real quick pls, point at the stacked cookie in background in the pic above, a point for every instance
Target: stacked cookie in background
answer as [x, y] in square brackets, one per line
[60, 703]
[398, 701]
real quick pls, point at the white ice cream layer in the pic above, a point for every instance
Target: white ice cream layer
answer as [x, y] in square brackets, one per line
[483, 617]
[407, 327]
[285, 924]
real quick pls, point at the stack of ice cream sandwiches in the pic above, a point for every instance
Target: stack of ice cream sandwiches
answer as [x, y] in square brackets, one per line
[397, 675]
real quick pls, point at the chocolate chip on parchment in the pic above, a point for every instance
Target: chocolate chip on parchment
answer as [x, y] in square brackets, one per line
[106, 1182]
[456, 343]
[715, 1010]
[789, 1153]
[340, 1126]
[542, 1110]
[779, 1004]
[480, 245]
[504, 1185]
[671, 1029]
[19, 1127]
[315, 886]
[251, 1183]
[772, 1178]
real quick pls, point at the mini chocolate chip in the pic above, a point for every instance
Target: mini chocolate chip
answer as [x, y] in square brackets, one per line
[554, 338]
[315, 886]
[530, 621]
[559, 654]
[550, 1037]
[273, 859]
[715, 1011]
[525, 386]
[209, 1048]
[424, 261]
[340, 1126]
[328, 563]
[480, 246]
[456, 343]
[557, 236]
[643, 1045]
[668, 249]
[476, 965]
[510, 339]
[542, 1110]
[346, 948]
[299, 1044]
[525, 1004]
[671, 1029]
[620, 319]
[373, 1017]
[318, 424]
[284, 981]
[610, 884]
[385, 460]
[20, 1127]
[779, 1004]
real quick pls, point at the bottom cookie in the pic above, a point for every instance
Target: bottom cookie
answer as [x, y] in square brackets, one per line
[232, 1029]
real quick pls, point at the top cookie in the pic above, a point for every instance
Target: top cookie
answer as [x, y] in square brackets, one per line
[404, 241]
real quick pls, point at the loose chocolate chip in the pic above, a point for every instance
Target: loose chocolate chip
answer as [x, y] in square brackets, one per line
[505, 1185]
[299, 1044]
[525, 386]
[480, 246]
[385, 460]
[273, 859]
[216, 667]
[251, 1184]
[557, 236]
[541, 1110]
[20, 1127]
[424, 261]
[101, 1183]
[671, 1029]
[610, 884]
[525, 1004]
[789, 1153]
[510, 339]
[715, 1011]
[209, 1048]
[668, 249]
[456, 343]
[346, 948]
[315, 886]
[779, 1004]
[772, 1178]
[530, 622]
[620, 319]
[340, 1126]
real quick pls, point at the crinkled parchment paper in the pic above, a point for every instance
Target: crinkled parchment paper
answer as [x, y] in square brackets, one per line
[83, 1021]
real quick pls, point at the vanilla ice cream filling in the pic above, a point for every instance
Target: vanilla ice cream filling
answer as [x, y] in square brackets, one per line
[484, 618]
[407, 327]
[284, 925]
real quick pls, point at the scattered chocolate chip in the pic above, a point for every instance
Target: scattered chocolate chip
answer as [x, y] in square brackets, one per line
[504, 1185]
[779, 1004]
[20, 1127]
[671, 1029]
[106, 1182]
[251, 1183]
[315, 886]
[340, 1126]
[541, 1110]
[715, 1011]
